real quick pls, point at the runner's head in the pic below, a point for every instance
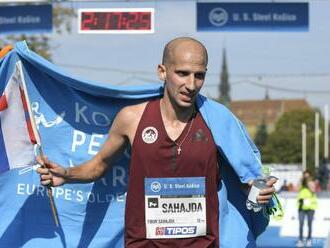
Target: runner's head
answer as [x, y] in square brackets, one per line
[172, 47]
[183, 70]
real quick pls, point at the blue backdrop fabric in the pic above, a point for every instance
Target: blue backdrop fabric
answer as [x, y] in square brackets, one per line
[73, 118]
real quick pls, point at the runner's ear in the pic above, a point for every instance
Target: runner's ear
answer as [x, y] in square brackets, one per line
[161, 71]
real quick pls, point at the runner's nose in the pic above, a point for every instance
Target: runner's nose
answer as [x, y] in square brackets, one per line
[190, 84]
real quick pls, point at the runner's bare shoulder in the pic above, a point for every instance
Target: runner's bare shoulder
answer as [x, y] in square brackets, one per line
[129, 117]
[131, 113]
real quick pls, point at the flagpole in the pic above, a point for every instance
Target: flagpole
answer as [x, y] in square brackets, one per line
[38, 143]
[49, 191]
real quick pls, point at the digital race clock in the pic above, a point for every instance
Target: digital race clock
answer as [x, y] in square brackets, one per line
[119, 20]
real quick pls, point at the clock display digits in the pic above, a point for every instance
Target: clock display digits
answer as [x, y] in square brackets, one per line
[116, 21]
[88, 20]
[144, 19]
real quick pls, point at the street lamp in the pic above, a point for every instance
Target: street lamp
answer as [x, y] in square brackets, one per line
[326, 131]
[303, 146]
[316, 139]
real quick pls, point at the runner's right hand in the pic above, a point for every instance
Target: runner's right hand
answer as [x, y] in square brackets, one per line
[50, 173]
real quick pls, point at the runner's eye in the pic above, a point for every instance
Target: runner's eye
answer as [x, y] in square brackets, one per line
[200, 75]
[182, 73]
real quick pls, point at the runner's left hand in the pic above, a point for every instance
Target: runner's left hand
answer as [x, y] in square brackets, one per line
[266, 194]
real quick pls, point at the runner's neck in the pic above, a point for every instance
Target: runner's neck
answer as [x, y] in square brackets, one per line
[174, 114]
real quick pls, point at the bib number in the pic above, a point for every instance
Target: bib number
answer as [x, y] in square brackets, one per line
[175, 207]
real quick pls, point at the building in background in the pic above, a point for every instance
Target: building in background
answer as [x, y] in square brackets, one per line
[254, 112]
[224, 86]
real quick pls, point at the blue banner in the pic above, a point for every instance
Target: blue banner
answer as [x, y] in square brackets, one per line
[26, 18]
[252, 16]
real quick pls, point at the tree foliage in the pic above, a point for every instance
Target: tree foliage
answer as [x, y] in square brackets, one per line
[261, 136]
[40, 43]
[284, 145]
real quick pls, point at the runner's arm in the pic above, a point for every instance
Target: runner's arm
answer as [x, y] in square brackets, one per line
[96, 167]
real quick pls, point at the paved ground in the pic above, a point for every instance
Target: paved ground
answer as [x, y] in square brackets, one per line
[271, 239]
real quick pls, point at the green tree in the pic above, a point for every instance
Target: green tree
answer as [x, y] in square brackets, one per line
[284, 144]
[40, 43]
[261, 136]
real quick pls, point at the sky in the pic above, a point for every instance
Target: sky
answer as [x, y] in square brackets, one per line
[298, 61]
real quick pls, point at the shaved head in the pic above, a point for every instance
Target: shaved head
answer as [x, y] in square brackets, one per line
[181, 44]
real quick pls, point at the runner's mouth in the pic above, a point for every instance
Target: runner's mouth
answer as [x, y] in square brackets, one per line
[189, 96]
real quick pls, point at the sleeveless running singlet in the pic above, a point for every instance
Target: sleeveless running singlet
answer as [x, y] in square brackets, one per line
[156, 157]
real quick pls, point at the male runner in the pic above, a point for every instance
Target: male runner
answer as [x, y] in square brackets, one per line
[171, 147]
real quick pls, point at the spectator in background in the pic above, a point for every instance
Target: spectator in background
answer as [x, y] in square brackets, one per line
[307, 204]
[306, 174]
[285, 186]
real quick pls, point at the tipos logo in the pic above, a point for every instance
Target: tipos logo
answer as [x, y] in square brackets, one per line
[149, 135]
[176, 230]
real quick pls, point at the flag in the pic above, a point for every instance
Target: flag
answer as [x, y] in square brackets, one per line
[17, 137]
[73, 117]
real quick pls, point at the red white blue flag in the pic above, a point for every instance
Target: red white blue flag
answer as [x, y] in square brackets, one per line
[17, 135]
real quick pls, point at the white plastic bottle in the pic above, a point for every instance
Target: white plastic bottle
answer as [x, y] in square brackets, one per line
[251, 201]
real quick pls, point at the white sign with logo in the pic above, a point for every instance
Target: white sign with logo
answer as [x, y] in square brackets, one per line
[218, 17]
[175, 207]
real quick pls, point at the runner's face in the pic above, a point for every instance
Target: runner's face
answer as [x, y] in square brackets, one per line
[184, 76]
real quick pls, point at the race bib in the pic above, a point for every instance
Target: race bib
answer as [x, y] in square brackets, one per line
[175, 207]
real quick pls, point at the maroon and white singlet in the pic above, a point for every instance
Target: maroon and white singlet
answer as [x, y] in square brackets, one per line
[156, 156]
